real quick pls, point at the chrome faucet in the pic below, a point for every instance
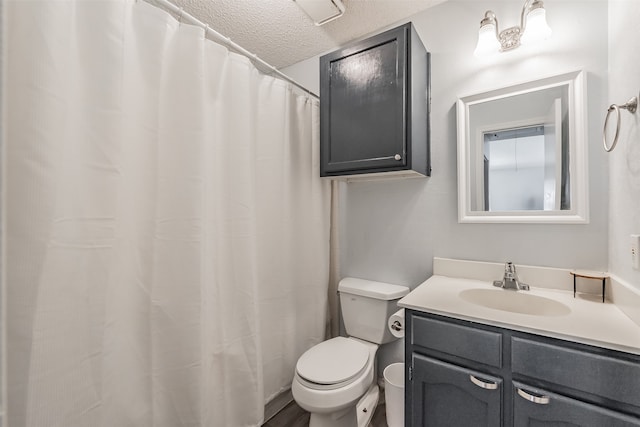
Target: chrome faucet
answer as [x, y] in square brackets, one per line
[510, 279]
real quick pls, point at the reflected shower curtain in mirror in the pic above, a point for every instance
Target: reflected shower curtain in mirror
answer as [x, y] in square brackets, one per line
[167, 229]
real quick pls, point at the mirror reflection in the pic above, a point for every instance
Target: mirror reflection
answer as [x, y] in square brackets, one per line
[521, 146]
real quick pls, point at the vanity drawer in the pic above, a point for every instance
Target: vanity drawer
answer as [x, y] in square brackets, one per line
[538, 407]
[457, 340]
[609, 377]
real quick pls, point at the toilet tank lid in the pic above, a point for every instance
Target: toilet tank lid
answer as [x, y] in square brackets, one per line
[371, 289]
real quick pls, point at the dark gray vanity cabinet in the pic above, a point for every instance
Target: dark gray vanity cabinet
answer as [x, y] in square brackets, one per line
[462, 373]
[374, 106]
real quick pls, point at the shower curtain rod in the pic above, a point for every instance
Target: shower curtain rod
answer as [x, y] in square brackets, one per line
[187, 17]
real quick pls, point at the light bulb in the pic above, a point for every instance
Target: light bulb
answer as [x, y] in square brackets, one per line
[536, 27]
[488, 44]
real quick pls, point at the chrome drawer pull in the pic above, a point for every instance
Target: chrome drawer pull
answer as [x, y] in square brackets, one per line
[482, 384]
[540, 400]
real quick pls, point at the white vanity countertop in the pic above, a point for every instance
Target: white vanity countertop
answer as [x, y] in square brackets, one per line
[588, 321]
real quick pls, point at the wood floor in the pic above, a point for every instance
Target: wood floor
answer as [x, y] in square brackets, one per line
[294, 416]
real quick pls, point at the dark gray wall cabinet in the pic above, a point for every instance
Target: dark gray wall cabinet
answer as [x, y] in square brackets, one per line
[374, 106]
[462, 373]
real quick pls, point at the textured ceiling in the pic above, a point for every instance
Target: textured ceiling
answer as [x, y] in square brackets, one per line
[279, 32]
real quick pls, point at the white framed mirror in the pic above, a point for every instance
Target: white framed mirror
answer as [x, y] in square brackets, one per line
[522, 153]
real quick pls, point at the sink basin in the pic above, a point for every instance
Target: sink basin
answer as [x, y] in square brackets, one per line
[515, 302]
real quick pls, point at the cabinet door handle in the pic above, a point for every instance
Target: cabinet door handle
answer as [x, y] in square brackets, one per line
[540, 400]
[483, 384]
[397, 157]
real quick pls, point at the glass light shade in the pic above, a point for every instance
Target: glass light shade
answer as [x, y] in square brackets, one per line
[536, 27]
[488, 44]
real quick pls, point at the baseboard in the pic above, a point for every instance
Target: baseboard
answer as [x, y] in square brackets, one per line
[277, 404]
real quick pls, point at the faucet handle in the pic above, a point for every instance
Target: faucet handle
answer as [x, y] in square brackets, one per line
[509, 270]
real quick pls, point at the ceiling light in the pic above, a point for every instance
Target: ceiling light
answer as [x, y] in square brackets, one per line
[322, 11]
[533, 27]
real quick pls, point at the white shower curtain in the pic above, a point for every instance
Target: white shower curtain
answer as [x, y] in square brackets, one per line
[167, 232]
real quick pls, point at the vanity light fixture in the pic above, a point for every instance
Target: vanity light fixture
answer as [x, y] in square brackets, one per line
[533, 27]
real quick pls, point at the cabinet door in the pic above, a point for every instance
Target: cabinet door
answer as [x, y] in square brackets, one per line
[363, 108]
[446, 395]
[538, 408]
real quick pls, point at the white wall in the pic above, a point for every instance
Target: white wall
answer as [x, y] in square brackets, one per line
[624, 161]
[392, 229]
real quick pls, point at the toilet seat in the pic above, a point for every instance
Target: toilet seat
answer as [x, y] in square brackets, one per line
[333, 364]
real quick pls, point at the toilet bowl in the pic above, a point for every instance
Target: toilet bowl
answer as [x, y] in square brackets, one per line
[336, 380]
[332, 377]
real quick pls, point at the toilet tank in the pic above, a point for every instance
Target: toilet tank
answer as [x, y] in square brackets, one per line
[366, 306]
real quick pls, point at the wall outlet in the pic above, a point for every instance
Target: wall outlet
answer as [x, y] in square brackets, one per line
[635, 255]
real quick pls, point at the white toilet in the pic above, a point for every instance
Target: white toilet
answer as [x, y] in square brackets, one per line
[336, 380]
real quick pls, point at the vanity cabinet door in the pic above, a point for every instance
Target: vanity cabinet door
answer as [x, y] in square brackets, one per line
[539, 408]
[445, 395]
